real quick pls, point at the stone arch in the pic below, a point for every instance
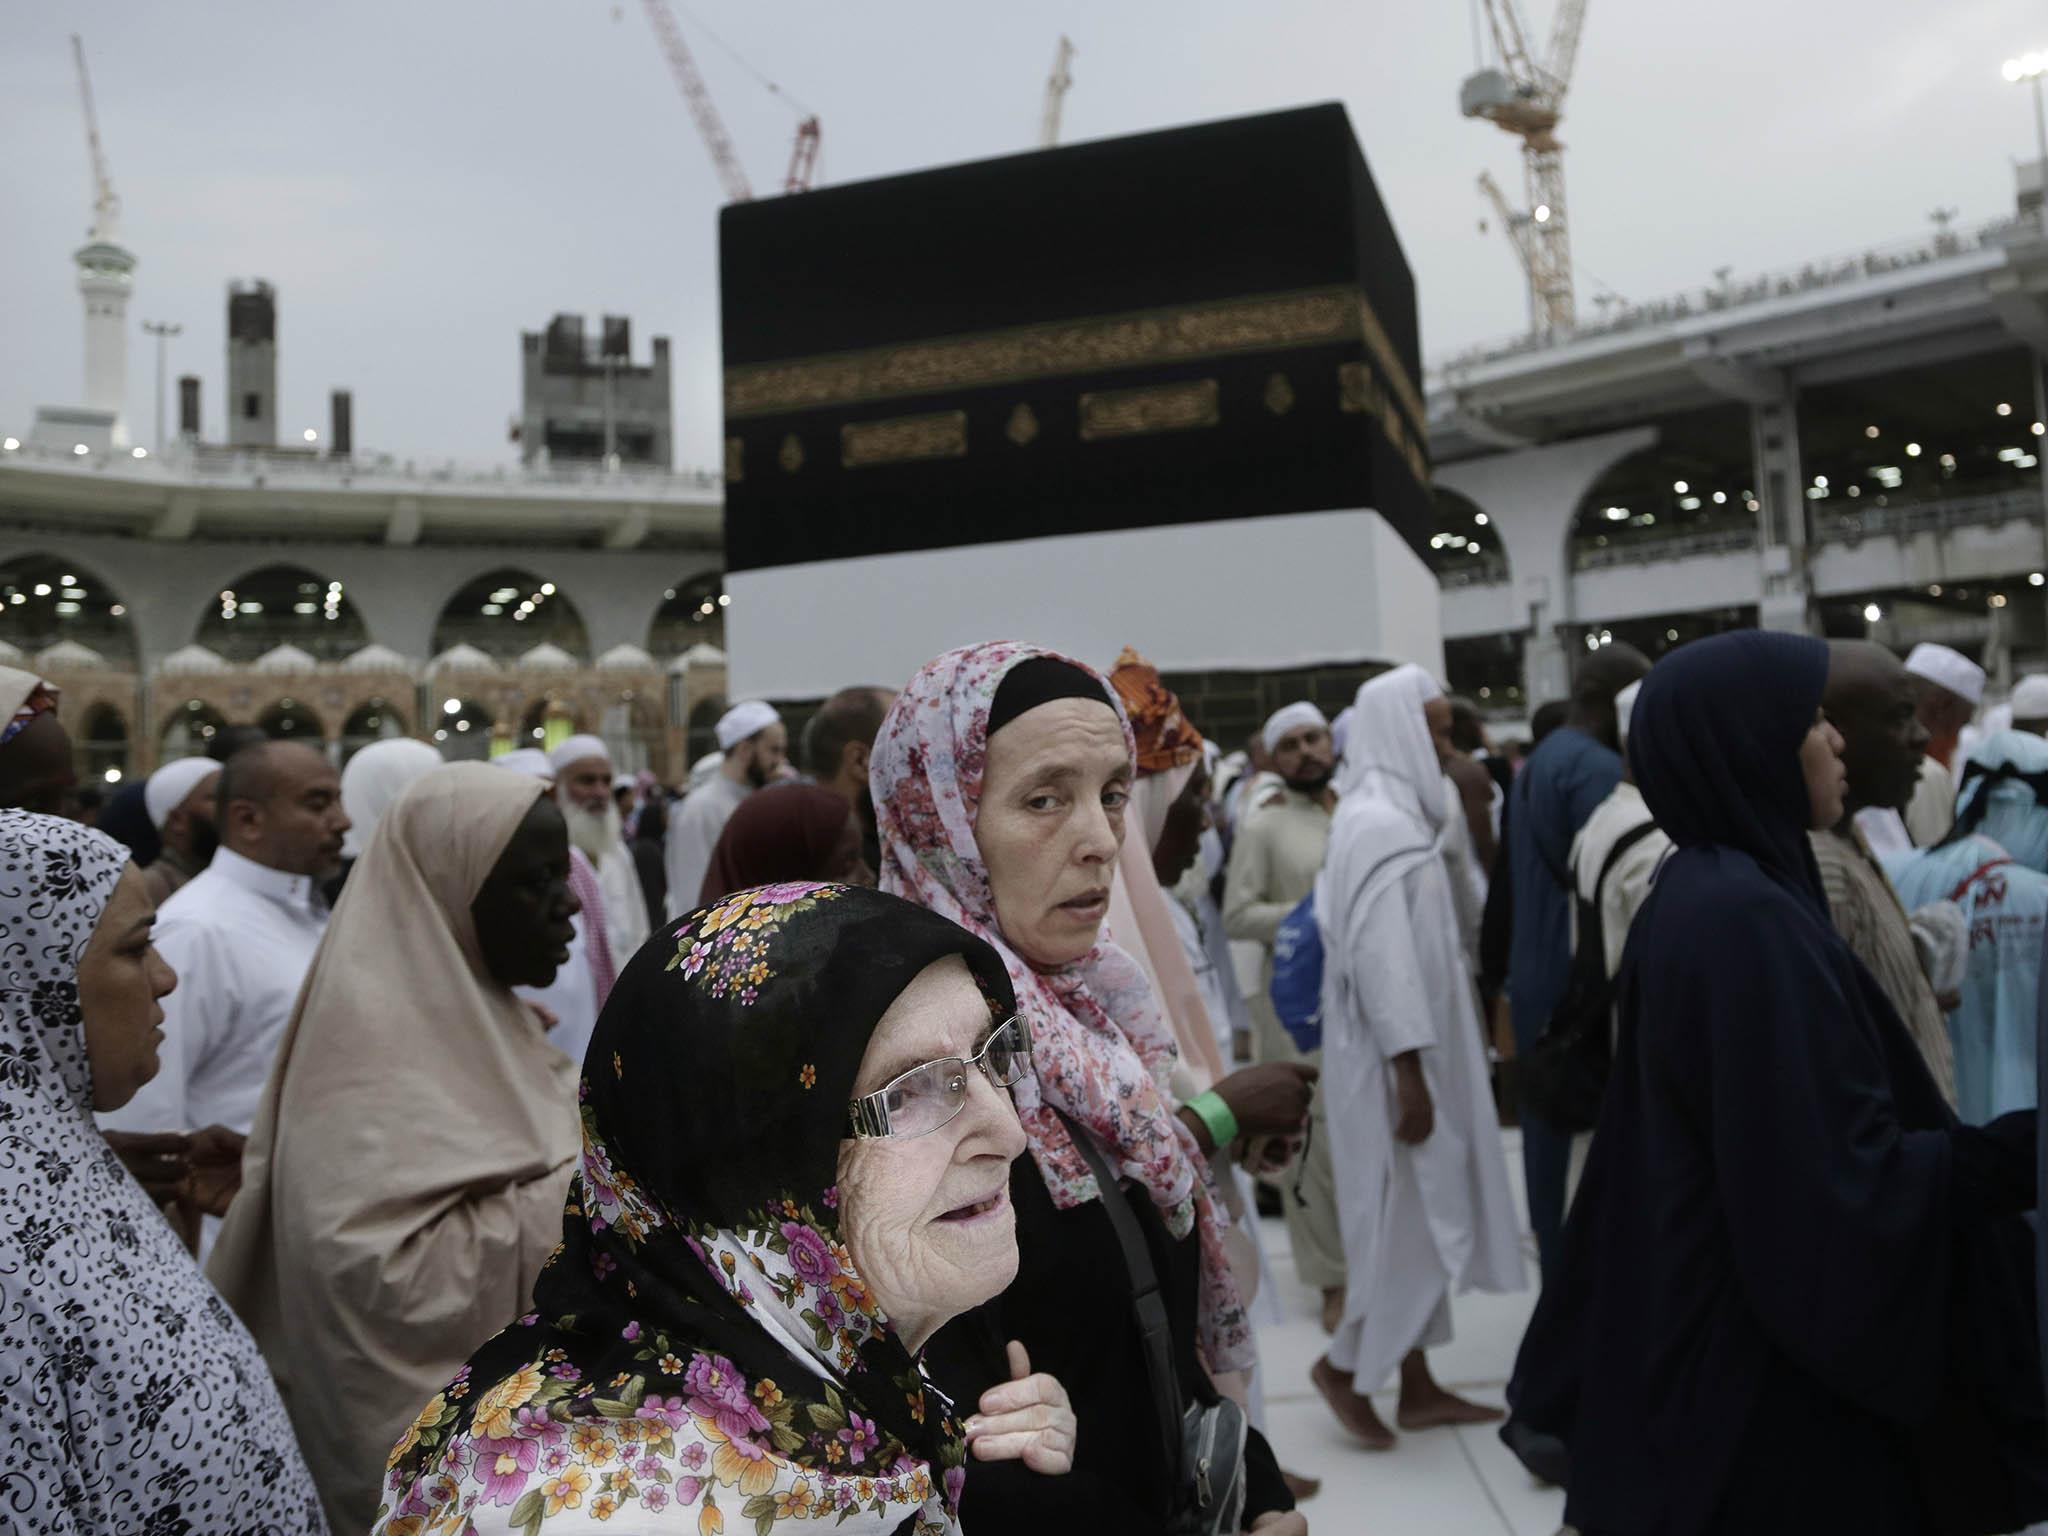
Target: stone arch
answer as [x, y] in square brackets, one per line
[465, 733]
[701, 737]
[373, 719]
[682, 620]
[46, 598]
[187, 728]
[291, 717]
[282, 604]
[101, 738]
[506, 612]
[1694, 480]
[1464, 544]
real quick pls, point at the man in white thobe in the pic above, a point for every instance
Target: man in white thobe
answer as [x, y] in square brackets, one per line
[756, 747]
[1422, 1182]
[241, 936]
[583, 789]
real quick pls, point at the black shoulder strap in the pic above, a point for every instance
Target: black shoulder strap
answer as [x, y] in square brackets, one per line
[1147, 1305]
[1592, 925]
[1622, 844]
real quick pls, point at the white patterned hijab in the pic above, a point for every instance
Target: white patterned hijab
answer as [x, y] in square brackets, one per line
[131, 1401]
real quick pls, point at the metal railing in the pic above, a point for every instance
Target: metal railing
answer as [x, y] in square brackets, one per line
[1653, 550]
[223, 465]
[1730, 293]
[1899, 519]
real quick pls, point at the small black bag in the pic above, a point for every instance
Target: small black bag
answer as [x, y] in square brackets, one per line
[1565, 1076]
[1205, 1440]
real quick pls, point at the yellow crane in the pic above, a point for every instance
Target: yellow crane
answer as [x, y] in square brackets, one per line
[1526, 98]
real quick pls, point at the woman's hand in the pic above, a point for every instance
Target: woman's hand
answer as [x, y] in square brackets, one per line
[1280, 1522]
[1028, 1418]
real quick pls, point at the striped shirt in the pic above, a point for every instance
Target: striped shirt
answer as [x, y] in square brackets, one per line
[1870, 919]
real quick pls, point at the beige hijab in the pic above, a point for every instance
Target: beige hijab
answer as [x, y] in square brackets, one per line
[405, 1178]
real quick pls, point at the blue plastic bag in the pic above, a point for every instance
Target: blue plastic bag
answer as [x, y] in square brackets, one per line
[1297, 986]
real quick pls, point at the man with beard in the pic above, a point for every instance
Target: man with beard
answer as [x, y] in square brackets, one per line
[1875, 703]
[756, 747]
[837, 744]
[1273, 865]
[179, 799]
[583, 789]
[241, 935]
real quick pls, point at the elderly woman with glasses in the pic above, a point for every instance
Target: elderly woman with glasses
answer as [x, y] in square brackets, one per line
[797, 1137]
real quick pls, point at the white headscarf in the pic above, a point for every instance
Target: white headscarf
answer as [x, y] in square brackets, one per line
[1390, 755]
[375, 777]
[134, 1399]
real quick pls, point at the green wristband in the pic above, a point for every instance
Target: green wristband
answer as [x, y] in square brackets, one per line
[1216, 1115]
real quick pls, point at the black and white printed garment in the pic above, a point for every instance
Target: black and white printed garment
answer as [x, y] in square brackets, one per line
[132, 1403]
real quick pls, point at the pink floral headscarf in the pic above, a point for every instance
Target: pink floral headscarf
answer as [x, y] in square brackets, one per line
[1101, 1049]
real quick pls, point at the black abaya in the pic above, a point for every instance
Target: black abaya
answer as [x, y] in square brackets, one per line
[1796, 1292]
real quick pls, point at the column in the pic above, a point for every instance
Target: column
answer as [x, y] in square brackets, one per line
[1783, 526]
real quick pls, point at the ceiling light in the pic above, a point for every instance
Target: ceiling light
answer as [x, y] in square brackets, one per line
[312, 436]
[1870, 431]
[1872, 613]
[139, 453]
[452, 707]
[547, 589]
[2035, 580]
[80, 449]
[113, 775]
[1912, 450]
[1542, 213]
[10, 444]
[1680, 487]
[2004, 408]
[1479, 518]
[42, 589]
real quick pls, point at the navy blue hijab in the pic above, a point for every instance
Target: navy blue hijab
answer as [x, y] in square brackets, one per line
[1793, 1293]
[1714, 745]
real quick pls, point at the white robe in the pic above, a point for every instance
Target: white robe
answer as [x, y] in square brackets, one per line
[625, 905]
[693, 835]
[1421, 1221]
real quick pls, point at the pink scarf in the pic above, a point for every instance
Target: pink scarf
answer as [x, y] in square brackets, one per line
[1101, 1049]
[596, 946]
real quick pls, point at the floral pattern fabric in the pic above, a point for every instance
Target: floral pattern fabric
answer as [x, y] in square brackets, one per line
[703, 1354]
[1101, 1049]
[131, 1400]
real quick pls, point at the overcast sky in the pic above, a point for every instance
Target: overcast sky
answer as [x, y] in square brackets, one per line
[423, 181]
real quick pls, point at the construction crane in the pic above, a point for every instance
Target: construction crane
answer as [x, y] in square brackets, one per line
[1526, 98]
[1057, 84]
[106, 207]
[803, 155]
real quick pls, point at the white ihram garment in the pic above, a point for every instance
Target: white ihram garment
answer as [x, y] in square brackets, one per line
[1421, 1221]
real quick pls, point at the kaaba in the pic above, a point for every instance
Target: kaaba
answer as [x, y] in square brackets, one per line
[1196, 326]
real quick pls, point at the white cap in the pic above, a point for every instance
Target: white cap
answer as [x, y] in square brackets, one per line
[1624, 706]
[530, 761]
[1947, 669]
[2030, 697]
[577, 748]
[1291, 717]
[743, 721]
[170, 786]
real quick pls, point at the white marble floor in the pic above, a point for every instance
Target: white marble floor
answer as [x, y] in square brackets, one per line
[1445, 1482]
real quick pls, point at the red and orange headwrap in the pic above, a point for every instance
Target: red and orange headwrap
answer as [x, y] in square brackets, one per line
[1167, 739]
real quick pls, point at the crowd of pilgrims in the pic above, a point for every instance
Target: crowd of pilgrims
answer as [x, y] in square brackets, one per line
[516, 1146]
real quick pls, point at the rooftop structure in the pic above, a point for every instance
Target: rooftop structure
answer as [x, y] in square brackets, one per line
[584, 399]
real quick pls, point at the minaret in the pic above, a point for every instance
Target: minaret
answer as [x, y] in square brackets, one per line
[105, 278]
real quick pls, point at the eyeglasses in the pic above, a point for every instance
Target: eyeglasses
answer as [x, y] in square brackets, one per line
[927, 1097]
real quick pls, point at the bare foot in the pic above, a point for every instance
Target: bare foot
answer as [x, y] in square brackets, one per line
[1333, 1308]
[1436, 1408]
[1302, 1488]
[1354, 1410]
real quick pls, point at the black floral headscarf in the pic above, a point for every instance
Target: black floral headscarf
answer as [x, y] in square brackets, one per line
[701, 1345]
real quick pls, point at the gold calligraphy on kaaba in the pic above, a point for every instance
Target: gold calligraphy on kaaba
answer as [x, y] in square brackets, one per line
[1359, 393]
[903, 439]
[792, 454]
[1219, 328]
[1177, 407]
[735, 461]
